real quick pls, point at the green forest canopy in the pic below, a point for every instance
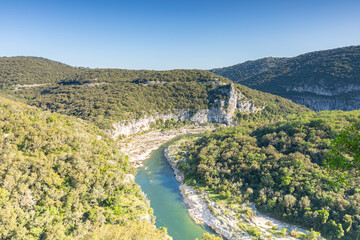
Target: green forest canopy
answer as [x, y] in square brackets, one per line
[334, 68]
[279, 166]
[63, 178]
[105, 96]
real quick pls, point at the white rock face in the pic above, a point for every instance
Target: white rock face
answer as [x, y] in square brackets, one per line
[323, 90]
[199, 210]
[139, 147]
[129, 178]
[220, 112]
[133, 126]
[329, 103]
[322, 97]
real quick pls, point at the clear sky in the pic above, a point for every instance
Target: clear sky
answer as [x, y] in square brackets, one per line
[167, 34]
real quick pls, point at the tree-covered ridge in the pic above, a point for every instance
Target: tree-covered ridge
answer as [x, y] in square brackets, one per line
[335, 67]
[32, 70]
[106, 96]
[321, 75]
[62, 178]
[35, 70]
[110, 103]
[279, 166]
[109, 75]
[244, 71]
[113, 102]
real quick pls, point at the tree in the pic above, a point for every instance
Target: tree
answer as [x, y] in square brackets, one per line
[323, 216]
[345, 149]
[335, 230]
[208, 236]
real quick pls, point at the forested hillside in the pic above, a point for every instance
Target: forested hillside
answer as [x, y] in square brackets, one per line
[31, 70]
[63, 178]
[322, 80]
[280, 167]
[106, 96]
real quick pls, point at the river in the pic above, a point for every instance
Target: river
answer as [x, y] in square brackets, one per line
[158, 182]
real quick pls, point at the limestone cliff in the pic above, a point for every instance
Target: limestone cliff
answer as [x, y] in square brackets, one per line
[321, 80]
[224, 101]
[322, 97]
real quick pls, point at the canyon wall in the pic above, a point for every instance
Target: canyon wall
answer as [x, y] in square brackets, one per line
[321, 97]
[219, 111]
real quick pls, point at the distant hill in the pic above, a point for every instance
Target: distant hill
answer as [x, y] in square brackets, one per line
[108, 96]
[322, 80]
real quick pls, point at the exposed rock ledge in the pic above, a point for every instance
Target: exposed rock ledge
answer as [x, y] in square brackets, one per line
[139, 147]
[228, 221]
[220, 111]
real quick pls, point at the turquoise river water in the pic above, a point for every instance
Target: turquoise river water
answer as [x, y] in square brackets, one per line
[158, 182]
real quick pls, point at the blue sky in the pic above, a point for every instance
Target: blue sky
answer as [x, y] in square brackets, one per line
[158, 34]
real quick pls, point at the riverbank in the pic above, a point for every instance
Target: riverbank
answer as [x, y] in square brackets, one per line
[158, 182]
[139, 147]
[232, 221]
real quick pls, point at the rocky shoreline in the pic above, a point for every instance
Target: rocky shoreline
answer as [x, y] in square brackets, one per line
[230, 221]
[198, 207]
[139, 147]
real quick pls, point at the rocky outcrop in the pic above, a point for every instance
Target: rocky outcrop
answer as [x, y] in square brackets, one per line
[133, 126]
[321, 97]
[220, 111]
[321, 80]
[319, 103]
[324, 90]
[139, 147]
[199, 210]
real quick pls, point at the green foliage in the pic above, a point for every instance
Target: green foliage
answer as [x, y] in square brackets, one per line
[208, 236]
[113, 102]
[254, 231]
[312, 235]
[332, 66]
[131, 230]
[106, 96]
[62, 178]
[345, 149]
[330, 70]
[31, 70]
[279, 166]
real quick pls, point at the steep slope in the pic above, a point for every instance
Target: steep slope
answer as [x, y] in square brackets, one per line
[128, 101]
[322, 80]
[244, 71]
[279, 167]
[63, 178]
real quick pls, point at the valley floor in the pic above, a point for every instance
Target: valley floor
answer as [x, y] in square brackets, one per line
[139, 147]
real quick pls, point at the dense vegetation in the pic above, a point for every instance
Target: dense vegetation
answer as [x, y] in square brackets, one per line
[31, 70]
[345, 150]
[279, 166]
[333, 72]
[249, 69]
[63, 178]
[105, 96]
[275, 107]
